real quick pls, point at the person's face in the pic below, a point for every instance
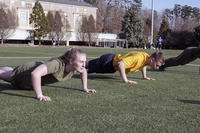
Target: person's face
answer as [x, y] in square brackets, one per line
[79, 62]
[156, 63]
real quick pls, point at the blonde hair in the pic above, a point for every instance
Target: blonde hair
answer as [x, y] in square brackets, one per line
[158, 56]
[70, 55]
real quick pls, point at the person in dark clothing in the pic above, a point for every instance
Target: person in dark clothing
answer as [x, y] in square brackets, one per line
[188, 55]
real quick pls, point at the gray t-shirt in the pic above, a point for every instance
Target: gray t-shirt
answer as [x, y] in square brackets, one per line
[21, 75]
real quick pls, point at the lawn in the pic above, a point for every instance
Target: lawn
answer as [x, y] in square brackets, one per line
[169, 104]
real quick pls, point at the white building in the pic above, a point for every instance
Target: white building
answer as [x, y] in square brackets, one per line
[73, 10]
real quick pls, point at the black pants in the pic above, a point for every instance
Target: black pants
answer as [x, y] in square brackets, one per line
[103, 64]
[188, 55]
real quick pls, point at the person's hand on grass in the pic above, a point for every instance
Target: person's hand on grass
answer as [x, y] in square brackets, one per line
[131, 82]
[90, 91]
[148, 78]
[44, 98]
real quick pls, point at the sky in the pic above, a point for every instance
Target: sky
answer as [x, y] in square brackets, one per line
[160, 5]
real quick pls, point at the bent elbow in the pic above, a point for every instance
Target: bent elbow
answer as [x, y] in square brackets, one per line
[34, 75]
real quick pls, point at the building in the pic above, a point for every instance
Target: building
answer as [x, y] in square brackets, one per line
[72, 10]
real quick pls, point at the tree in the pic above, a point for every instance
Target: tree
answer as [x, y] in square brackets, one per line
[4, 26]
[182, 18]
[197, 33]
[164, 28]
[50, 18]
[132, 26]
[168, 16]
[146, 31]
[39, 21]
[101, 14]
[8, 23]
[92, 2]
[186, 12]
[67, 30]
[88, 29]
[181, 40]
[91, 29]
[196, 14]
[58, 27]
[113, 24]
[106, 14]
[83, 29]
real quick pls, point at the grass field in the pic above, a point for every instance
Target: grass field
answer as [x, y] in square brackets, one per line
[169, 104]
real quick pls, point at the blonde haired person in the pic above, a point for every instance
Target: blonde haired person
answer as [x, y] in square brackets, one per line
[131, 62]
[35, 74]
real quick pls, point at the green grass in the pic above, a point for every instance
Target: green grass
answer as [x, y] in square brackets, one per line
[170, 104]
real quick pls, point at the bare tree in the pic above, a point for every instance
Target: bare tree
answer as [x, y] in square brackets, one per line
[113, 24]
[8, 23]
[50, 18]
[88, 29]
[58, 24]
[91, 30]
[67, 30]
[101, 13]
[83, 29]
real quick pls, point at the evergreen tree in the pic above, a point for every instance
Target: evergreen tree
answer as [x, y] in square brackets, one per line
[39, 21]
[164, 28]
[132, 25]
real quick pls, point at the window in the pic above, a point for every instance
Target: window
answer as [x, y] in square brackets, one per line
[77, 21]
[24, 17]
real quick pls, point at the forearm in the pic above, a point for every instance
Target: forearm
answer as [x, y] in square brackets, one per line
[144, 72]
[36, 83]
[122, 71]
[84, 80]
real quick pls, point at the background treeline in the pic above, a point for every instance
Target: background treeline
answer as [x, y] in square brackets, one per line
[179, 26]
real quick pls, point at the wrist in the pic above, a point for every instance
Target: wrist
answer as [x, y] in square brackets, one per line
[39, 96]
[126, 81]
[86, 90]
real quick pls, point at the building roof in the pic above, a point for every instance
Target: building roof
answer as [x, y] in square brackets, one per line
[69, 2]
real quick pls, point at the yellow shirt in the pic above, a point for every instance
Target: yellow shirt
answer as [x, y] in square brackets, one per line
[133, 61]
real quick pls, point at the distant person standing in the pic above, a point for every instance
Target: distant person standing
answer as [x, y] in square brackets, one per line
[159, 43]
[53, 41]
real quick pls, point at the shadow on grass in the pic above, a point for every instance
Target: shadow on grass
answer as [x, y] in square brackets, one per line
[7, 86]
[104, 77]
[175, 71]
[61, 87]
[97, 76]
[189, 101]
